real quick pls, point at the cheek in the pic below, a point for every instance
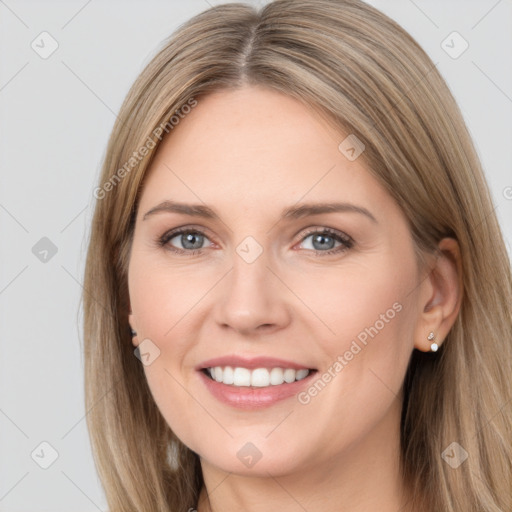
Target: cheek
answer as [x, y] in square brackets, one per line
[365, 348]
[368, 322]
[357, 298]
[163, 298]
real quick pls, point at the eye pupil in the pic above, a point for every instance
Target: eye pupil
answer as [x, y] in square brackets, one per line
[189, 238]
[323, 242]
[321, 239]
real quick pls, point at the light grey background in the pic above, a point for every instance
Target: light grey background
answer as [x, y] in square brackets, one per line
[55, 118]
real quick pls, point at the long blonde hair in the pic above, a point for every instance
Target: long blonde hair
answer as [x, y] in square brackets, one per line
[365, 74]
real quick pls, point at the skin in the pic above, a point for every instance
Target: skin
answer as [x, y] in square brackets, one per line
[248, 154]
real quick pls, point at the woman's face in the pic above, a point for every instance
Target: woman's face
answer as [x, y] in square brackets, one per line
[246, 281]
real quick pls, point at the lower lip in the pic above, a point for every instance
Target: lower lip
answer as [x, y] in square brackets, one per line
[248, 397]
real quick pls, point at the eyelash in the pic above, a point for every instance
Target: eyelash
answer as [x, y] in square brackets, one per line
[347, 241]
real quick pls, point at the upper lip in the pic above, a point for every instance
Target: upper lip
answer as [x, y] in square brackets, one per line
[251, 362]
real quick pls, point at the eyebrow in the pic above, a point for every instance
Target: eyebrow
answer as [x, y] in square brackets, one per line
[293, 212]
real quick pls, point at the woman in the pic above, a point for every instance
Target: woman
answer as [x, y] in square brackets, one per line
[297, 295]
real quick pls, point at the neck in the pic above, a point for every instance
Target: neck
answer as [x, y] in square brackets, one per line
[365, 477]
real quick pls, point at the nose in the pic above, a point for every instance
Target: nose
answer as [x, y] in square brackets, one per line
[252, 299]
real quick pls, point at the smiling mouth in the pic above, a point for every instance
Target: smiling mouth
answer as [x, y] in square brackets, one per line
[258, 377]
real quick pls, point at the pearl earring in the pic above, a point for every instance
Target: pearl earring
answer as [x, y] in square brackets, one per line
[433, 346]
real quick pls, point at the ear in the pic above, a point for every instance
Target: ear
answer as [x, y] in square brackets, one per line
[441, 296]
[131, 322]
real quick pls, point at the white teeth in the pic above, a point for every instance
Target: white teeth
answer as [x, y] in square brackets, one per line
[259, 377]
[289, 375]
[276, 376]
[301, 374]
[241, 377]
[228, 375]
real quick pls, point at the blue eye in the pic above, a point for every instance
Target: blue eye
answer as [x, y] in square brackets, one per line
[192, 240]
[326, 238]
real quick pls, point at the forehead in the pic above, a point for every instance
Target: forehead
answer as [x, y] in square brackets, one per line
[259, 147]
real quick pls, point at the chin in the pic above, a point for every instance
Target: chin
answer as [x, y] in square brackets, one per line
[254, 459]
